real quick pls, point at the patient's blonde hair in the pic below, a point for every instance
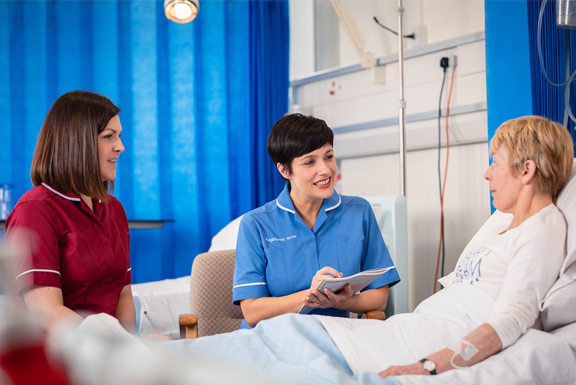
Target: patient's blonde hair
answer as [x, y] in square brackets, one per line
[546, 143]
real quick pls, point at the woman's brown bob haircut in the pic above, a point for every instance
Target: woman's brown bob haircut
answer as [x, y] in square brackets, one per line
[66, 156]
[546, 143]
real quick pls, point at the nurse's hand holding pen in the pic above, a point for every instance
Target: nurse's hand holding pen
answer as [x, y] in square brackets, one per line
[327, 299]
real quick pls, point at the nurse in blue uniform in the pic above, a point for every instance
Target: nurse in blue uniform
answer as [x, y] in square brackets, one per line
[286, 247]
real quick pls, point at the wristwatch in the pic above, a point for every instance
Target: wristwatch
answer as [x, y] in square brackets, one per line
[429, 366]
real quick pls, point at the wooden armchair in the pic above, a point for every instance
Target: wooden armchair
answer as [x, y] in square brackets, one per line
[211, 308]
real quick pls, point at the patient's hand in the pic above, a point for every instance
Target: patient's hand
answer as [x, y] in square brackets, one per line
[158, 337]
[416, 368]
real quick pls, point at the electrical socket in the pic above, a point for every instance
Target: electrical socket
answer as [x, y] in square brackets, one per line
[379, 74]
[420, 36]
[444, 63]
[450, 61]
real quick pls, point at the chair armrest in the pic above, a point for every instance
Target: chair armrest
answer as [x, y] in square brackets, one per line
[188, 326]
[376, 314]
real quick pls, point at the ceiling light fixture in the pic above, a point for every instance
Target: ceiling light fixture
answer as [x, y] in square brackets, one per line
[181, 11]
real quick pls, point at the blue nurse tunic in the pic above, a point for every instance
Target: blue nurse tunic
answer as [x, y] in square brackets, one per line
[277, 254]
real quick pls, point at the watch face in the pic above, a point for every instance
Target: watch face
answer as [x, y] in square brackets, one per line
[429, 365]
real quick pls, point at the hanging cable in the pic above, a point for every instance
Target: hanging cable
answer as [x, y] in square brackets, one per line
[444, 65]
[539, 44]
[411, 36]
[446, 168]
[442, 185]
[566, 83]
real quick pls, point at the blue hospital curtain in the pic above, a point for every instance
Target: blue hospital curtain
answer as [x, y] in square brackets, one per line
[198, 101]
[548, 100]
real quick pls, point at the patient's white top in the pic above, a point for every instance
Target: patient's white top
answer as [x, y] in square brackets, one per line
[501, 278]
[515, 267]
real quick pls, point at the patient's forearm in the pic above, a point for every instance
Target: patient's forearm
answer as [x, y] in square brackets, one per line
[484, 338]
[258, 309]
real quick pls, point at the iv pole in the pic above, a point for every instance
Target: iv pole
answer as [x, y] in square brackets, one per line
[367, 61]
[401, 102]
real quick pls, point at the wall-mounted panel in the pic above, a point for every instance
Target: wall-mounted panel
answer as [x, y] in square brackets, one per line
[465, 128]
[352, 98]
[364, 117]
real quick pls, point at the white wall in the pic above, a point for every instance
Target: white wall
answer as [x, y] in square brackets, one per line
[444, 19]
[302, 47]
[378, 41]
[369, 157]
[355, 99]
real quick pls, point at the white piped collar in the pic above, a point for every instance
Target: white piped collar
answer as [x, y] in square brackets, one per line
[336, 205]
[59, 193]
[287, 204]
[284, 208]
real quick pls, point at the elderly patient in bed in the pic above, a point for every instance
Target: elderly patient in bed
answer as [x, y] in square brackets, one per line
[489, 300]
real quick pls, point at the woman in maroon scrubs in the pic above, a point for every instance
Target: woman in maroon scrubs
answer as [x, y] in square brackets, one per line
[71, 234]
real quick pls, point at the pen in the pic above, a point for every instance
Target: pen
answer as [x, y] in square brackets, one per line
[151, 322]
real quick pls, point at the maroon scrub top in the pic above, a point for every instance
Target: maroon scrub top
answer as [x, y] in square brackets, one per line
[62, 243]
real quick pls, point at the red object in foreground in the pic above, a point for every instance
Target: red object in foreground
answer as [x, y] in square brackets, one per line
[29, 365]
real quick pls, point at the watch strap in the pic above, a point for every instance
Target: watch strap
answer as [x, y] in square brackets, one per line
[432, 372]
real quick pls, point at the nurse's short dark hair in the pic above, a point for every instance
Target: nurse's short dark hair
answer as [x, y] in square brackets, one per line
[295, 135]
[66, 155]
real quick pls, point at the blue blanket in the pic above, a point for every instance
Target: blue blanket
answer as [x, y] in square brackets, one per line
[293, 348]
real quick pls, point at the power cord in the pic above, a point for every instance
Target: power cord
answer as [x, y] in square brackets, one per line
[411, 36]
[444, 63]
[444, 66]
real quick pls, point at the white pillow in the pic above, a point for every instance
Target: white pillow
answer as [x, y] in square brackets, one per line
[559, 305]
[227, 237]
[567, 204]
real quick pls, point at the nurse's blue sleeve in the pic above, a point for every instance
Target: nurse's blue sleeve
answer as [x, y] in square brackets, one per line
[250, 265]
[375, 254]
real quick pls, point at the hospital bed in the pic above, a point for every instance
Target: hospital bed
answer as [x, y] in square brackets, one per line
[539, 357]
[102, 353]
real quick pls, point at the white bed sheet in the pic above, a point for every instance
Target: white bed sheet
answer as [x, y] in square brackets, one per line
[441, 319]
[164, 301]
[101, 352]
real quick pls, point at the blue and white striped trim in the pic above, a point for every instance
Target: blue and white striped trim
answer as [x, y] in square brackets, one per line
[336, 205]
[250, 284]
[39, 270]
[63, 196]
[284, 208]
